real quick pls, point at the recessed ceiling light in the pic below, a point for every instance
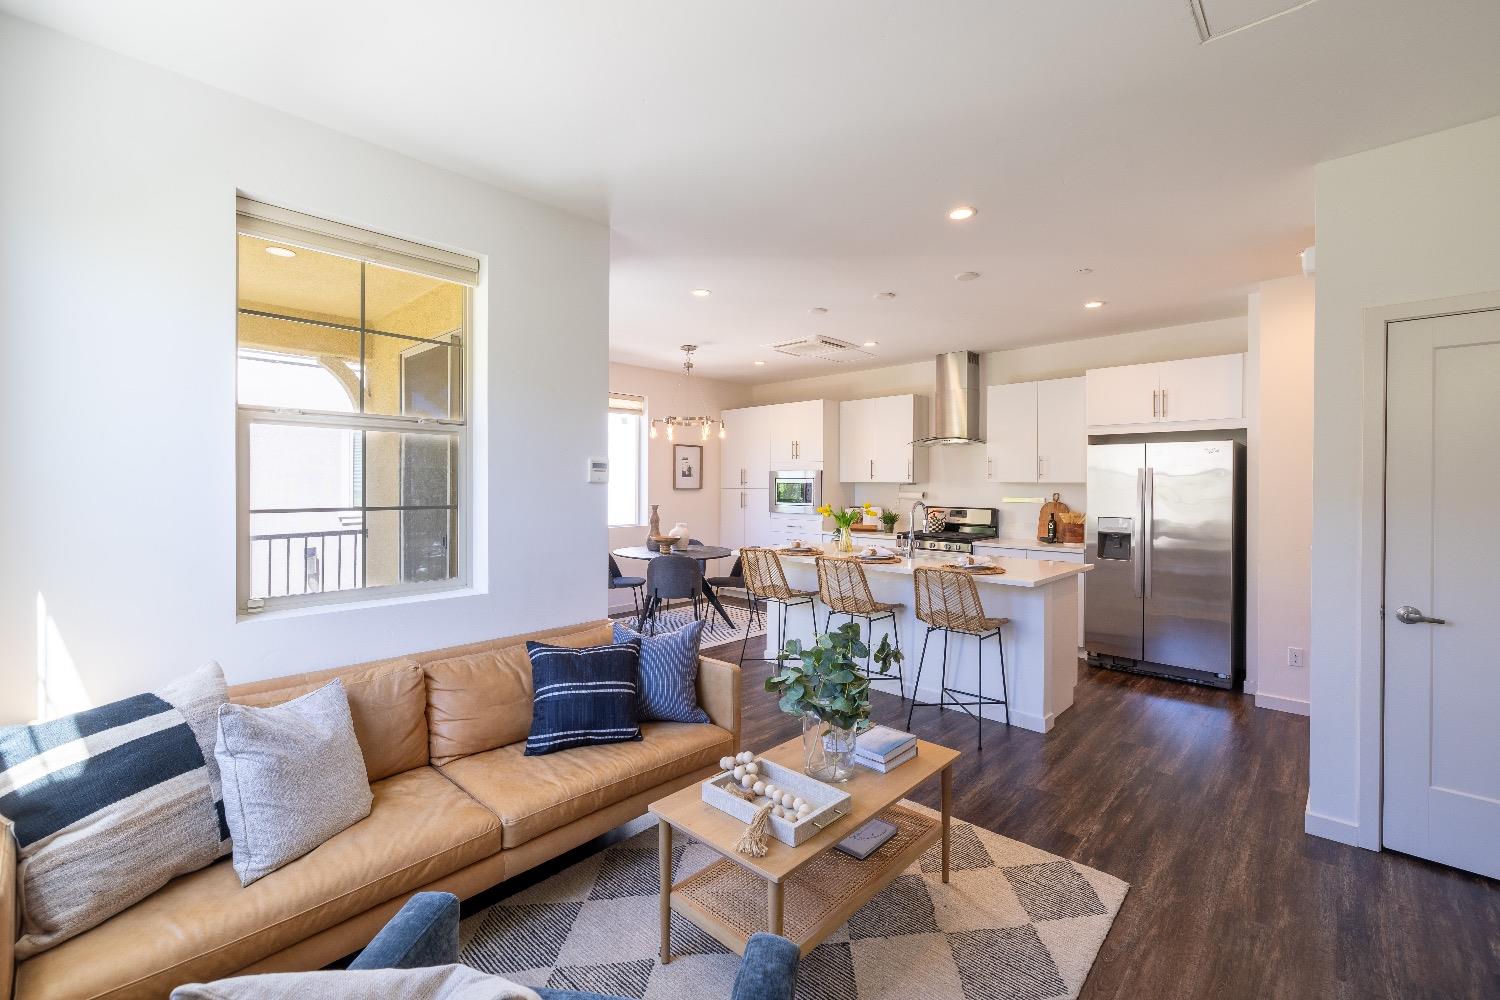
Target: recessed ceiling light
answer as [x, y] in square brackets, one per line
[817, 310]
[1094, 304]
[760, 362]
[966, 275]
[963, 212]
[280, 252]
[872, 343]
[885, 295]
[702, 293]
[1085, 270]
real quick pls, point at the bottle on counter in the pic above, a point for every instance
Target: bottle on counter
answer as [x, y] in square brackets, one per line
[1051, 527]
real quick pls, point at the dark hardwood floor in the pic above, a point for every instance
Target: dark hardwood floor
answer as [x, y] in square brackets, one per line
[1195, 797]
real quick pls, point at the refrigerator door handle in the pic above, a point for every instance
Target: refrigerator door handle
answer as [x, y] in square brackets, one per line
[1148, 527]
[1137, 568]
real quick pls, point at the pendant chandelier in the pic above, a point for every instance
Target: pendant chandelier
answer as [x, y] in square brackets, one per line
[702, 424]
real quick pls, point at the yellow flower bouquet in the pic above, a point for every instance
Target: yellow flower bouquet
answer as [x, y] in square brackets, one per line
[845, 519]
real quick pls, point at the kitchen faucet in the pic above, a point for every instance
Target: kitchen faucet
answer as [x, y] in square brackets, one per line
[911, 532]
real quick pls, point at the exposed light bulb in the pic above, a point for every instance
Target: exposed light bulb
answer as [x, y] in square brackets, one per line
[705, 432]
[653, 428]
[721, 430]
[669, 432]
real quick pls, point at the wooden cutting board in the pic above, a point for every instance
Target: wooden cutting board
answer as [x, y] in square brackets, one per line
[1053, 506]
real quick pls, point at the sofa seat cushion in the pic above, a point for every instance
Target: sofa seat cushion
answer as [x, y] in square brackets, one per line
[204, 926]
[535, 795]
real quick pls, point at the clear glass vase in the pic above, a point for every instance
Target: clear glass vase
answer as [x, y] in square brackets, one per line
[827, 750]
[846, 539]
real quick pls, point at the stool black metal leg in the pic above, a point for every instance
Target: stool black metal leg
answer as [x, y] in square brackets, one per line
[943, 687]
[918, 682]
[1004, 684]
[979, 708]
[748, 619]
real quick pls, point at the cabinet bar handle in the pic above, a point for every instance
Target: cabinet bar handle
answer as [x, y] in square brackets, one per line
[989, 468]
[872, 468]
[1164, 404]
[908, 470]
[1039, 468]
[1155, 403]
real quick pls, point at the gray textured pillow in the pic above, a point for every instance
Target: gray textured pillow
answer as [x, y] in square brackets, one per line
[293, 776]
[438, 982]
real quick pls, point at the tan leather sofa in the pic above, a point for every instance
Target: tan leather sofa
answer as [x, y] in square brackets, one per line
[457, 808]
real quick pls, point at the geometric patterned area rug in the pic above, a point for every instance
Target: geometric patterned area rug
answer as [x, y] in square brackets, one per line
[1014, 923]
[715, 632]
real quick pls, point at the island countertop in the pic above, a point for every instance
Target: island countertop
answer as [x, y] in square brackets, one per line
[1018, 572]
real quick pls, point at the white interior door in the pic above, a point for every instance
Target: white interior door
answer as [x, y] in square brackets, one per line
[1442, 679]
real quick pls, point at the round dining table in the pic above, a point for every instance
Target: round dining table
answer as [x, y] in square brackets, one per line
[696, 552]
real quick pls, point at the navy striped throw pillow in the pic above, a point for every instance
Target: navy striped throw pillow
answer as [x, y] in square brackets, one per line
[110, 804]
[582, 697]
[669, 673]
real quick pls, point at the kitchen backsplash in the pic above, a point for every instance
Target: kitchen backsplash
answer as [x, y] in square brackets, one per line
[956, 477]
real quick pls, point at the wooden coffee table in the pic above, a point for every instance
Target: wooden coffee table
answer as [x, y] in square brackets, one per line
[804, 893]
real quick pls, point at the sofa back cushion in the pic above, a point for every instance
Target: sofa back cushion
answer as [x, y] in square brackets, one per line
[480, 698]
[387, 701]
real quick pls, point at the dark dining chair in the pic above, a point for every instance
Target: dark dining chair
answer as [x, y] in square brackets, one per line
[669, 578]
[619, 581]
[736, 581]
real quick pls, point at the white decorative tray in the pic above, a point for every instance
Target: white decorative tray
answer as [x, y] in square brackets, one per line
[828, 803]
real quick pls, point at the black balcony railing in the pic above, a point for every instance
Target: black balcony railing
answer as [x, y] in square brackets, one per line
[290, 564]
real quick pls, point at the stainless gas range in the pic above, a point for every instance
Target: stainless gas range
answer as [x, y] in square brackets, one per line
[957, 528]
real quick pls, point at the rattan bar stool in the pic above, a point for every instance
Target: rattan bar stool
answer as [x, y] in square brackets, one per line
[947, 601]
[765, 580]
[845, 590]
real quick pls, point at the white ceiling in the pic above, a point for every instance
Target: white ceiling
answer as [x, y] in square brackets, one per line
[789, 154]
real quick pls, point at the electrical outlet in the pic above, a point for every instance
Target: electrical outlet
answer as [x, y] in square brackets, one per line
[1294, 657]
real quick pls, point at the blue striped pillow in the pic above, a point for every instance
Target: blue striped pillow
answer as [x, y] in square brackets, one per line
[582, 697]
[110, 804]
[669, 673]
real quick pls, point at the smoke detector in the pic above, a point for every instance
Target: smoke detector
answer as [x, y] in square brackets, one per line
[819, 348]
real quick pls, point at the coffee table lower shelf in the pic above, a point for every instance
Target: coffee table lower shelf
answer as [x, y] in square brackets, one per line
[729, 902]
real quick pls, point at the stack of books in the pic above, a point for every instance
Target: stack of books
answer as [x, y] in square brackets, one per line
[882, 748]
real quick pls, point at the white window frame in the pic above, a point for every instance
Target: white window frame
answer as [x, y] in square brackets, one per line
[636, 406]
[247, 415]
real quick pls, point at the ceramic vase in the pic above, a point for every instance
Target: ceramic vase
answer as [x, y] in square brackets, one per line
[653, 527]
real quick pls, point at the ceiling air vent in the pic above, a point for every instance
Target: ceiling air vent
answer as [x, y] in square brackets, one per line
[1217, 18]
[820, 349]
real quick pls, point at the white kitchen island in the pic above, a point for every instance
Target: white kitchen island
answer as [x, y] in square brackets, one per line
[1039, 596]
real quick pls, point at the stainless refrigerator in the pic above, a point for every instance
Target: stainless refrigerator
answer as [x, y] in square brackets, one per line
[1166, 537]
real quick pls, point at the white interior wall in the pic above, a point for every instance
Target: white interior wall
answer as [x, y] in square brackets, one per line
[1408, 222]
[1279, 490]
[666, 394]
[117, 417]
[956, 472]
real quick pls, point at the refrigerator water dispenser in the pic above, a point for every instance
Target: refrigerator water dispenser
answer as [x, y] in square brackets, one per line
[1115, 534]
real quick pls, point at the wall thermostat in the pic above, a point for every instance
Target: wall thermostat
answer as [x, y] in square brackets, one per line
[598, 470]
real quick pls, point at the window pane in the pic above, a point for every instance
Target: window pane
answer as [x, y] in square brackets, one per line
[311, 529]
[624, 468]
[294, 348]
[414, 348]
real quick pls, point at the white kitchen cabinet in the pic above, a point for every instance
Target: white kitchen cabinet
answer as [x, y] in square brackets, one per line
[787, 528]
[875, 439]
[1062, 437]
[744, 517]
[745, 449]
[1035, 432]
[1203, 388]
[1006, 552]
[796, 434]
[1168, 393]
[1010, 433]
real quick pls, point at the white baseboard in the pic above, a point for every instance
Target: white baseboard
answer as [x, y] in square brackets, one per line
[1278, 703]
[1332, 828]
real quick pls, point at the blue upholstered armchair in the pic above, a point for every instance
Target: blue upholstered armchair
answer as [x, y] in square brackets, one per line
[425, 932]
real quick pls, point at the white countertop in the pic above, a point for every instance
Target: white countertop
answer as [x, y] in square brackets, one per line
[1018, 572]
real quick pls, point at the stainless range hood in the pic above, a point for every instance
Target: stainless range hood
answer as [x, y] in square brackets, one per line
[955, 404]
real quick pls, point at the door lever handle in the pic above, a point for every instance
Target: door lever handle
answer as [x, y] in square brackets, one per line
[1408, 615]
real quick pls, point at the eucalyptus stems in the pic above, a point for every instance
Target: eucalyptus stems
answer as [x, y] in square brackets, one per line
[822, 680]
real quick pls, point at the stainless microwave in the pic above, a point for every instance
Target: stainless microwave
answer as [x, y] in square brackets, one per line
[796, 491]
